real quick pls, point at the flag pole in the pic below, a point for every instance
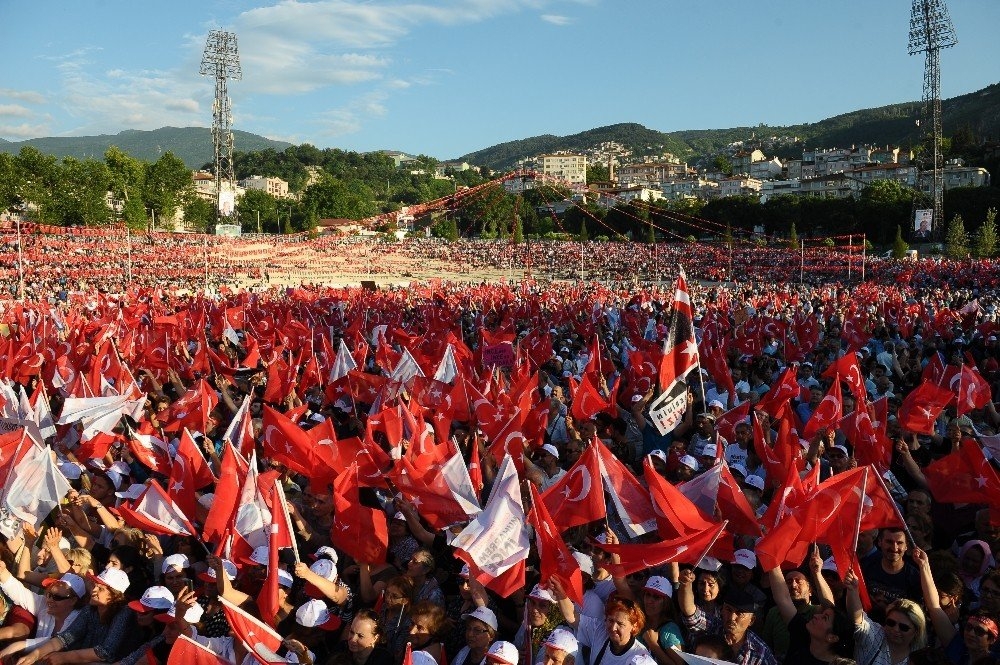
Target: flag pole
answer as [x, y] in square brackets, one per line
[722, 527]
[10, 469]
[895, 508]
[861, 510]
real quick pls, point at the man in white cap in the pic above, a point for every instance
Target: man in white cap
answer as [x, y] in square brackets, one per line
[545, 470]
[502, 653]
[559, 645]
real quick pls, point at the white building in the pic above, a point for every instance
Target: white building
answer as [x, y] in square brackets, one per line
[276, 187]
[570, 168]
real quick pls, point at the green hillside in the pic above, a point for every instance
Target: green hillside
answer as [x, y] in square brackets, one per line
[193, 145]
[894, 124]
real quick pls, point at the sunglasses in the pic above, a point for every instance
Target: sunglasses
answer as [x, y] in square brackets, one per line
[52, 596]
[902, 627]
[979, 631]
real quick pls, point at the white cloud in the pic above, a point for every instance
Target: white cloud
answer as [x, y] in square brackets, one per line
[27, 96]
[556, 19]
[23, 131]
[14, 110]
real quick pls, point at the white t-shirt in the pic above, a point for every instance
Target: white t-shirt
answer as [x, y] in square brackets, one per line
[593, 633]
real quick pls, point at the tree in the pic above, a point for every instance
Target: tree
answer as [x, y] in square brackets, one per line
[128, 180]
[80, 193]
[986, 236]
[584, 235]
[899, 246]
[956, 240]
[722, 164]
[446, 227]
[793, 237]
[168, 185]
[38, 175]
[518, 233]
[598, 173]
[334, 198]
[254, 205]
[199, 213]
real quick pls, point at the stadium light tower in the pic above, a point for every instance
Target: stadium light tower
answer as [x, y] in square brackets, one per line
[930, 31]
[221, 59]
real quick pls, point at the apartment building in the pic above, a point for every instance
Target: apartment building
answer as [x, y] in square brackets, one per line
[568, 167]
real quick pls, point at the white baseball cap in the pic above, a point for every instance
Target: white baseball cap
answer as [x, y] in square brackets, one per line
[661, 585]
[745, 558]
[133, 492]
[70, 470]
[325, 568]
[690, 462]
[551, 450]
[285, 578]
[314, 614]
[259, 556]
[113, 578]
[540, 593]
[562, 639]
[755, 482]
[74, 581]
[501, 651]
[228, 567]
[193, 615]
[711, 450]
[153, 598]
[484, 614]
[175, 561]
[326, 552]
[716, 404]
[659, 454]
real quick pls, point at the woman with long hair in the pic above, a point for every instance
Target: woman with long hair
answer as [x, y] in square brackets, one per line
[394, 617]
[903, 631]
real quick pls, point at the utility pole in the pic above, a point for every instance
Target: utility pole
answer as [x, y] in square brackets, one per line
[221, 59]
[930, 31]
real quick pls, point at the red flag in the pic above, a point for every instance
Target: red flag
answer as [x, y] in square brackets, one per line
[286, 442]
[630, 499]
[964, 476]
[870, 445]
[186, 651]
[688, 549]
[829, 411]
[359, 531]
[847, 369]
[588, 401]
[194, 461]
[257, 638]
[680, 352]
[973, 390]
[154, 512]
[676, 515]
[232, 472]
[785, 389]
[578, 497]
[921, 407]
[427, 488]
[725, 425]
[556, 560]
[267, 599]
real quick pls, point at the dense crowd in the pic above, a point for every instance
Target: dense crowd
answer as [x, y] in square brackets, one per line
[321, 475]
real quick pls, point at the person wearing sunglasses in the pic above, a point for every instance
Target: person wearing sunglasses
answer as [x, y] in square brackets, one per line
[978, 634]
[903, 631]
[57, 608]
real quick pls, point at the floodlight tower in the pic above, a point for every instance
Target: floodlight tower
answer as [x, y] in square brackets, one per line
[930, 31]
[222, 60]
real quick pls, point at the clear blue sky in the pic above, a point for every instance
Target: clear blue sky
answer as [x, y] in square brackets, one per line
[447, 77]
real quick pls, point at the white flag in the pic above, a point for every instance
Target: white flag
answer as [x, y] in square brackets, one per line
[342, 364]
[447, 369]
[35, 486]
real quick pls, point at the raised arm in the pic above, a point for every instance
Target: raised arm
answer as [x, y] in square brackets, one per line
[782, 599]
[816, 575]
[685, 593]
[853, 599]
[943, 626]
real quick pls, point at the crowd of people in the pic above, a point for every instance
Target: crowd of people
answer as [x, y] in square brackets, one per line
[330, 454]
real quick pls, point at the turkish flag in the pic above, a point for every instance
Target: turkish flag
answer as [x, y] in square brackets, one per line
[267, 600]
[194, 462]
[688, 549]
[629, 498]
[847, 369]
[232, 473]
[870, 445]
[359, 531]
[680, 351]
[725, 425]
[257, 637]
[785, 389]
[148, 448]
[829, 411]
[192, 409]
[676, 515]
[973, 390]
[427, 488]
[186, 651]
[578, 497]
[280, 381]
[286, 442]
[964, 476]
[921, 407]
[587, 400]
[556, 560]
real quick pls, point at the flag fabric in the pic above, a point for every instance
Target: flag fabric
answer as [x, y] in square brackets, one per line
[556, 560]
[257, 638]
[847, 369]
[34, 486]
[186, 651]
[680, 356]
[232, 473]
[587, 400]
[155, 512]
[495, 544]
[267, 600]
[359, 531]
[688, 549]
[829, 411]
[922, 407]
[964, 476]
[676, 515]
[973, 391]
[629, 498]
[578, 497]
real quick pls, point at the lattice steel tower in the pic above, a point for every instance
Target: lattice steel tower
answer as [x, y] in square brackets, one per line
[222, 60]
[930, 31]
